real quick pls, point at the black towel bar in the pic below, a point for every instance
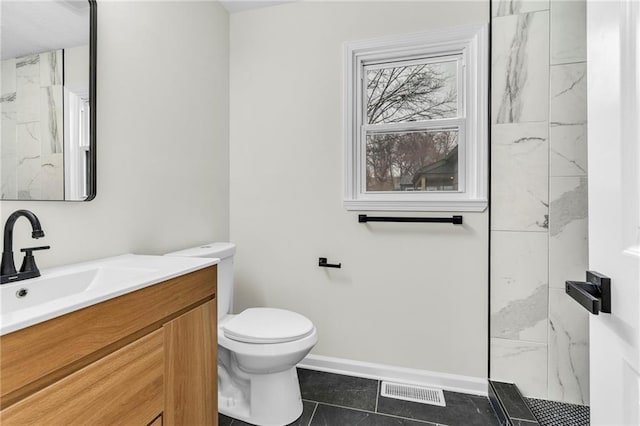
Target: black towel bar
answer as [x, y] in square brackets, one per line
[456, 220]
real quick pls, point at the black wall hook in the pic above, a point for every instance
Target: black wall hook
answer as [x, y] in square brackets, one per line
[322, 261]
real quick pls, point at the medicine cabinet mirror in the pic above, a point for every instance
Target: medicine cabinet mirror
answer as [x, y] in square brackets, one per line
[47, 100]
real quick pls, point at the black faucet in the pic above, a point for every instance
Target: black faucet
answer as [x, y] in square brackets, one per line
[28, 269]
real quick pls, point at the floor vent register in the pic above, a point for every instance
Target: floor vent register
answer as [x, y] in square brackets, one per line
[413, 393]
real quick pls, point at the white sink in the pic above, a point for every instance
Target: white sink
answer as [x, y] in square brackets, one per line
[65, 289]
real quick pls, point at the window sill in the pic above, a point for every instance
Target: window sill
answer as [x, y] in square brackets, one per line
[417, 206]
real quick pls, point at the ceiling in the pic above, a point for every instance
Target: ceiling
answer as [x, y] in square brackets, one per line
[39, 26]
[234, 6]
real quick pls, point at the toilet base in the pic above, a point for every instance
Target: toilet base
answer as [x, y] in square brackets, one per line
[274, 399]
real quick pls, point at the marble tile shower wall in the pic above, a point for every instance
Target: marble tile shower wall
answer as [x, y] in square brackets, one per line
[32, 135]
[539, 337]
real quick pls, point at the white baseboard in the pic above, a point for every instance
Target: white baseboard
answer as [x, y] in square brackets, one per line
[450, 382]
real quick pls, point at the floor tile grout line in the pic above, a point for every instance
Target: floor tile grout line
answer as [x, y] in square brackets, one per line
[343, 406]
[313, 413]
[382, 414]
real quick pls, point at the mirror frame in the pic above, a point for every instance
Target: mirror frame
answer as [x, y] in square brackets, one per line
[93, 31]
[92, 161]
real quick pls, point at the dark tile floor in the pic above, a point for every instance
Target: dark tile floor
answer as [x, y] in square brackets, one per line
[337, 400]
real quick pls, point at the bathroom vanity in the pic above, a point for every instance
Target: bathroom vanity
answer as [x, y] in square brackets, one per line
[146, 357]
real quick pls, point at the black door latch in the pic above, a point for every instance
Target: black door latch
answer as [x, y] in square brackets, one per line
[594, 294]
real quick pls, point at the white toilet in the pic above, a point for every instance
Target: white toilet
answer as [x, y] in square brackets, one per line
[258, 350]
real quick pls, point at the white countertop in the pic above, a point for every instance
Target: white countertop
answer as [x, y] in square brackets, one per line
[69, 288]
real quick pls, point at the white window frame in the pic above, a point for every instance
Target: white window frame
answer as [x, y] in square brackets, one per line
[76, 143]
[469, 44]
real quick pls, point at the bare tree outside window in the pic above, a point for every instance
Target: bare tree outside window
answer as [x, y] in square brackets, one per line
[417, 160]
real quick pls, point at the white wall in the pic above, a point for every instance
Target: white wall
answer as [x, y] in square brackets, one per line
[162, 138]
[408, 295]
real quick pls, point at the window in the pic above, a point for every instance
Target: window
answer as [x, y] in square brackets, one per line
[416, 122]
[76, 144]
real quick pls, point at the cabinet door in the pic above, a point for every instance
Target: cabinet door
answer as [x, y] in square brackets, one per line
[122, 388]
[191, 368]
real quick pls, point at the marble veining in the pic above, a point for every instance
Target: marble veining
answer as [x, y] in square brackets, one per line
[568, 94]
[519, 295]
[568, 321]
[514, 7]
[569, 245]
[568, 149]
[9, 97]
[27, 172]
[24, 160]
[32, 127]
[26, 61]
[568, 207]
[520, 197]
[579, 167]
[520, 73]
[568, 115]
[520, 314]
[50, 68]
[51, 177]
[581, 77]
[28, 141]
[53, 119]
[568, 349]
[28, 89]
[511, 105]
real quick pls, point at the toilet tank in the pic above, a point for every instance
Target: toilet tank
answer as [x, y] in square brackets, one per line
[224, 252]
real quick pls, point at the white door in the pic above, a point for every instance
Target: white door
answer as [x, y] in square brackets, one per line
[613, 42]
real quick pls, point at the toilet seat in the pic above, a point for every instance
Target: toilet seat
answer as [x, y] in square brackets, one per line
[267, 326]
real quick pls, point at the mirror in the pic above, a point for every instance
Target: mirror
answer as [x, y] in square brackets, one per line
[47, 100]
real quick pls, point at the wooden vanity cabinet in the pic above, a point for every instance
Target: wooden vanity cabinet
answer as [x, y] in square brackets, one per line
[123, 387]
[150, 358]
[191, 368]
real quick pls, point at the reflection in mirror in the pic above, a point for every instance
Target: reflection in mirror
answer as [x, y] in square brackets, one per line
[47, 149]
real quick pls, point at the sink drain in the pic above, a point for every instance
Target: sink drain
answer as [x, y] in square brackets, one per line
[22, 292]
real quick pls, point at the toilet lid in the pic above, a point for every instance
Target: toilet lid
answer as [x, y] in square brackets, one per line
[267, 325]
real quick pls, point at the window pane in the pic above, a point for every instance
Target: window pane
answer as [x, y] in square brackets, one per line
[412, 93]
[413, 161]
